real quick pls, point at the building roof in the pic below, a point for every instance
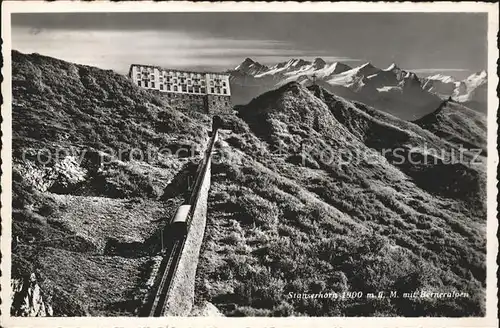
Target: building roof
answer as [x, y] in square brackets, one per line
[175, 70]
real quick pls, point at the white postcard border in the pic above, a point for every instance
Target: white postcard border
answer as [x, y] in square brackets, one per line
[8, 7]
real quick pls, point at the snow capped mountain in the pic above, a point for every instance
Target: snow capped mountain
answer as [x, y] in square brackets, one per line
[293, 67]
[449, 86]
[387, 78]
[319, 63]
[410, 81]
[395, 70]
[474, 91]
[442, 78]
[292, 70]
[250, 67]
[337, 68]
[442, 85]
[476, 80]
[355, 76]
[471, 91]
[366, 69]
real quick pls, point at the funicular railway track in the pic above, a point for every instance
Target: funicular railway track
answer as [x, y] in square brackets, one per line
[172, 259]
[173, 252]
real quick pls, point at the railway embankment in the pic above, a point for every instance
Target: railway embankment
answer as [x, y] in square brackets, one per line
[180, 298]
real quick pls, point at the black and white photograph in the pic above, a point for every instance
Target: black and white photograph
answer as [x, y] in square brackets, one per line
[249, 163]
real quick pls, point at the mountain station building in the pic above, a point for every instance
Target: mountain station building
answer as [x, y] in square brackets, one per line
[207, 92]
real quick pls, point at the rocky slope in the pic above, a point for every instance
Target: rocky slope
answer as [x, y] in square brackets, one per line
[29, 299]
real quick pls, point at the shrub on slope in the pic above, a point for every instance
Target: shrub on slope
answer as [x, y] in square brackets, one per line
[88, 203]
[435, 164]
[278, 227]
[457, 124]
[59, 102]
[74, 110]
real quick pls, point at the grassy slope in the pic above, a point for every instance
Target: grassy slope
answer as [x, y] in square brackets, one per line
[95, 227]
[277, 227]
[458, 124]
[381, 131]
[81, 105]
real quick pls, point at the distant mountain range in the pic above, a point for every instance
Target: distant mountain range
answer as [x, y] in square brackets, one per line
[472, 91]
[394, 90]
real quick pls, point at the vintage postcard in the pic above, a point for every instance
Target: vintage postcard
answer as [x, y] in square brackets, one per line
[286, 164]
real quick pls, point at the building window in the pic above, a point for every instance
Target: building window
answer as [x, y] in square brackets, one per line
[146, 84]
[202, 90]
[139, 83]
[175, 81]
[152, 84]
[184, 88]
[224, 91]
[212, 90]
[175, 88]
[161, 86]
[225, 103]
[168, 87]
[224, 84]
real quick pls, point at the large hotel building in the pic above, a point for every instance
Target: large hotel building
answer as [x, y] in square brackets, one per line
[203, 91]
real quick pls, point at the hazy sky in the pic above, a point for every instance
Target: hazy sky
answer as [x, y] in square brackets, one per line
[451, 43]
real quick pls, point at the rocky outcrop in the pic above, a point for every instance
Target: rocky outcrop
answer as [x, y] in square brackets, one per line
[29, 300]
[62, 175]
[206, 309]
